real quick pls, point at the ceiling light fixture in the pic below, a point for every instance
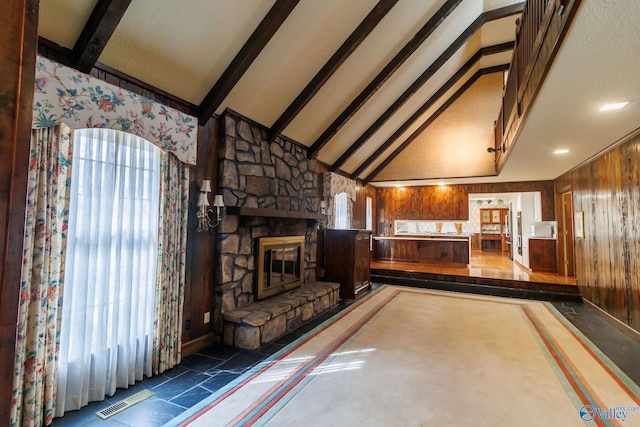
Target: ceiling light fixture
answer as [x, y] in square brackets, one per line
[616, 106]
[561, 151]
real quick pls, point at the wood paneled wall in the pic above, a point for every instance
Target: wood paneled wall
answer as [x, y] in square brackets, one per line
[449, 202]
[432, 202]
[607, 191]
[199, 296]
[19, 21]
[359, 219]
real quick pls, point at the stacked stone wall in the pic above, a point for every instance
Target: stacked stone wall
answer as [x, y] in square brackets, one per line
[257, 174]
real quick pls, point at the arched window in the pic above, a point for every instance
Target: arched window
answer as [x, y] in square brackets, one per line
[342, 211]
[112, 252]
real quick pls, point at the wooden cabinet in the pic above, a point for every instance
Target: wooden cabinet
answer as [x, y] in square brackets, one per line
[475, 241]
[492, 222]
[346, 261]
[451, 251]
[542, 255]
[493, 216]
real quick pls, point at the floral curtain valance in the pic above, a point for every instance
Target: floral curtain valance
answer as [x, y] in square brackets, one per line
[63, 94]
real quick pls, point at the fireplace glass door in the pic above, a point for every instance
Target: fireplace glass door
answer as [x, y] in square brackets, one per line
[281, 265]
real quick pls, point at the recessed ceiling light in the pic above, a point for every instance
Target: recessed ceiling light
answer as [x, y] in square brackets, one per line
[561, 151]
[615, 106]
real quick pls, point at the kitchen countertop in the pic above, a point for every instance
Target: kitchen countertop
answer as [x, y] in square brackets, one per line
[431, 236]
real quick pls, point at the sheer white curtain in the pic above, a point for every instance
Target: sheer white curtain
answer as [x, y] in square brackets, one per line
[107, 319]
[342, 211]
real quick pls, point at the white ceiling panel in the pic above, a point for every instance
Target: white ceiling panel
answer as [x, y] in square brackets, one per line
[62, 21]
[285, 66]
[182, 47]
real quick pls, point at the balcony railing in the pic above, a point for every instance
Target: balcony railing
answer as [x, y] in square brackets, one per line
[539, 33]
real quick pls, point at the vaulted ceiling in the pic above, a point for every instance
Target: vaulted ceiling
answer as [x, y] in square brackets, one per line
[386, 91]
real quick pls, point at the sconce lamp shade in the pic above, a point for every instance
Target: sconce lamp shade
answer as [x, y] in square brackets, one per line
[206, 186]
[218, 201]
[203, 200]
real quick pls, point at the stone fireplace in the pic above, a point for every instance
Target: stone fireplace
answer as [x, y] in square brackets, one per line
[269, 190]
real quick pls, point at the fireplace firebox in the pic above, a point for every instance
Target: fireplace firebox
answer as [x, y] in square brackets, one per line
[280, 265]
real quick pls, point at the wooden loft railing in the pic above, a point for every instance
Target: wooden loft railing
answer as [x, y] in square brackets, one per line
[539, 33]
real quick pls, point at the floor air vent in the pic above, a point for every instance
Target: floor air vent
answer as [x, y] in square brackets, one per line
[124, 404]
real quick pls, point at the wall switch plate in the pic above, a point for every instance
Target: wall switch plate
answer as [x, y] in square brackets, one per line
[207, 317]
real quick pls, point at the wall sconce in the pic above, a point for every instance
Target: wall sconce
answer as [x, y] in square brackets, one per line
[205, 222]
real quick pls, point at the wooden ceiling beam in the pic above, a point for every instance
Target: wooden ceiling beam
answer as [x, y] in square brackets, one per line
[489, 50]
[438, 18]
[96, 33]
[331, 66]
[245, 57]
[433, 117]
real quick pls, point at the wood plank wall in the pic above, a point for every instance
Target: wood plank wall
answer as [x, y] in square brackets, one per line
[607, 191]
[449, 202]
[199, 296]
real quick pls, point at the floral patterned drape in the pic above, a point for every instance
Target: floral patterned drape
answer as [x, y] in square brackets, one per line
[64, 94]
[82, 101]
[42, 283]
[172, 246]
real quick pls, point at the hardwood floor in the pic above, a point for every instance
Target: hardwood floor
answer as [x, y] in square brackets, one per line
[492, 265]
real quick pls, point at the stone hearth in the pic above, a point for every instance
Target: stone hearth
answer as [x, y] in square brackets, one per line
[262, 322]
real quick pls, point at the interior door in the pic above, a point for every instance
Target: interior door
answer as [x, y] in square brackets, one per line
[566, 234]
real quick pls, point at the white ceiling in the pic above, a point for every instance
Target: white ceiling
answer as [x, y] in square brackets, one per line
[184, 47]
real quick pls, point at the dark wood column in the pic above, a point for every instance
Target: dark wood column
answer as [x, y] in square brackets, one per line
[18, 43]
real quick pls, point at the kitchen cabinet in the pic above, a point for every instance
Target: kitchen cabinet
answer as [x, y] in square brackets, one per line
[453, 250]
[492, 225]
[542, 255]
[346, 261]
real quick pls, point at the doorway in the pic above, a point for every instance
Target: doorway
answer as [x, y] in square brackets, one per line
[565, 228]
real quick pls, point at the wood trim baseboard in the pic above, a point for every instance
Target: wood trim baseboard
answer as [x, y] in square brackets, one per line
[198, 344]
[615, 322]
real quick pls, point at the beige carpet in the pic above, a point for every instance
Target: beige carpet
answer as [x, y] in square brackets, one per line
[411, 357]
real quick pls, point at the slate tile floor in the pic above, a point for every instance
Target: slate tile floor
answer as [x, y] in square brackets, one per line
[201, 374]
[198, 376]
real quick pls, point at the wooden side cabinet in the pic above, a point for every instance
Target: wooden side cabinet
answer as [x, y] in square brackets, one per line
[346, 261]
[542, 255]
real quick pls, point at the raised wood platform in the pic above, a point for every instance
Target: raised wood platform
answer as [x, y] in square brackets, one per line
[264, 321]
[488, 274]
